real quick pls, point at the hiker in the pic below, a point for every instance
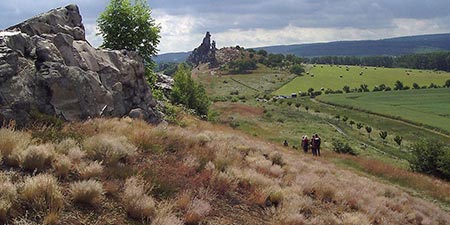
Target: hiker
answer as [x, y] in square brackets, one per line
[318, 141]
[305, 143]
[313, 145]
[285, 143]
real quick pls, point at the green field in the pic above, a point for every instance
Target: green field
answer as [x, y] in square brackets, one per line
[326, 76]
[429, 107]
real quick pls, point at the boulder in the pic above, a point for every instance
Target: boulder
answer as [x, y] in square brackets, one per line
[47, 66]
[205, 53]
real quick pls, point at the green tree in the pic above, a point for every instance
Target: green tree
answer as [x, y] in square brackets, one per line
[359, 125]
[345, 118]
[185, 91]
[398, 85]
[447, 83]
[431, 157]
[369, 130]
[383, 135]
[297, 69]
[398, 139]
[124, 25]
[351, 123]
[346, 89]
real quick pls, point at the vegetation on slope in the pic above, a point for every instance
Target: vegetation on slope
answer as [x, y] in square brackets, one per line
[198, 174]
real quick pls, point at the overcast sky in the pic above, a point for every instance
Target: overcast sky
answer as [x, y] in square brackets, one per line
[253, 23]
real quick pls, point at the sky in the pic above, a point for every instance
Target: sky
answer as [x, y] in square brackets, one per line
[255, 23]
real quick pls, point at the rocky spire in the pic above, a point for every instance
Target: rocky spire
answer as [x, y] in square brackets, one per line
[205, 53]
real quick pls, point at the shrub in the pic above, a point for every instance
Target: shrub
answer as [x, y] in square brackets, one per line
[297, 69]
[431, 157]
[185, 91]
[277, 159]
[90, 170]
[12, 143]
[87, 192]
[65, 145]
[341, 147]
[138, 203]
[109, 149]
[42, 192]
[197, 212]
[38, 157]
[275, 198]
[8, 196]
[62, 165]
[76, 155]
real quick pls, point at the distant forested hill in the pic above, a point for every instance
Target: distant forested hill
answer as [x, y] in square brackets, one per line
[391, 47]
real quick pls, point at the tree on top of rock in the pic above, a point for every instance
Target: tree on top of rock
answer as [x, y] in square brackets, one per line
[129, 26]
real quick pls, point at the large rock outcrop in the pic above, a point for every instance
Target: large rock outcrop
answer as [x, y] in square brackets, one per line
[205, 53]
[47, 66]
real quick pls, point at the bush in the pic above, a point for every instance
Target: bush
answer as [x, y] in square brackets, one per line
[90, 170]
[138, 203]
[241, 66]
[8, 196]
[297, 69]
[42, 192]
[87, 192]
[197, 211]
[62, 165]
[342, 148]
[431, 157]
[12, 143]
[38, 157]
[185, 91]
[109, 149]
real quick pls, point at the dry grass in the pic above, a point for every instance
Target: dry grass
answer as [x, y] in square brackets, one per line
[88, 192]
[38, 157]
[42, 192]
[197, 212]
[12, 144]
[138, 203]
[108, 148]
[8, 197]
[90, 170]
[202, 174]
[62, 165]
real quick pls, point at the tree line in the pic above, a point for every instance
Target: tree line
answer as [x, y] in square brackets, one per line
[430, 61]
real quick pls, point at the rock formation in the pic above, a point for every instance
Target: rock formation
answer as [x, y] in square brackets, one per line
[205, 53]
[47, 66]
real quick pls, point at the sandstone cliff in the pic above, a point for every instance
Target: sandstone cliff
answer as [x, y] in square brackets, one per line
[47, 66]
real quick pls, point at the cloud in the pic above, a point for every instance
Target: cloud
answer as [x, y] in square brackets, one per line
[252, 23]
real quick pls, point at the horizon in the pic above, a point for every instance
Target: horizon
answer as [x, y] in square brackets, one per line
[310, 43]
[254, 24]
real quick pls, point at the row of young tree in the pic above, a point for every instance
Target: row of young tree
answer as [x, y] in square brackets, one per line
[430, 61]
[427, 156]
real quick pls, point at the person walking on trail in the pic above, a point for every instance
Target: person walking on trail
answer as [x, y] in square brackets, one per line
[318, 140]
[313, 145]
[305, 143]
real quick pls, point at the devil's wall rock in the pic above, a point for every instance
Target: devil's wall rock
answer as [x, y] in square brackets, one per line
[47, 66]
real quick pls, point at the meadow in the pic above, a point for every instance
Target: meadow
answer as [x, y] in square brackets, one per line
[426, 107]
[336, 77]
[289, 119]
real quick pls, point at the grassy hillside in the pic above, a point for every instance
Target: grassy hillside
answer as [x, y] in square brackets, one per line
[336, 77]
[128, 172]
[429, 107]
